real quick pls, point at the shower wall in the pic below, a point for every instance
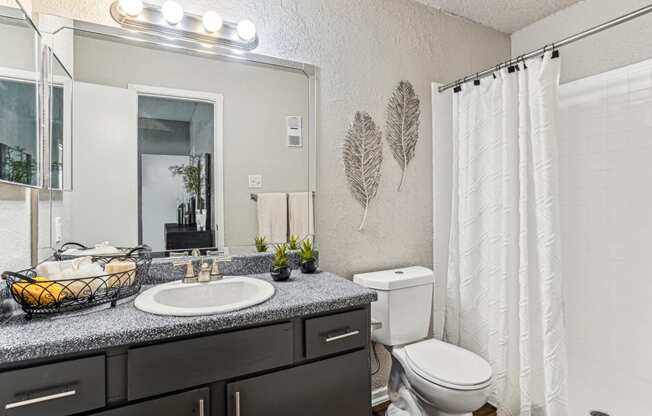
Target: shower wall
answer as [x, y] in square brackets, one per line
[605, 145]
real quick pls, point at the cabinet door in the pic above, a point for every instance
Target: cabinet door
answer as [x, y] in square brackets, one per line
[337, 386]
[190, 403]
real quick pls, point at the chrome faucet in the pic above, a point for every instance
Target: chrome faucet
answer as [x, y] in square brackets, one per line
[204, 275]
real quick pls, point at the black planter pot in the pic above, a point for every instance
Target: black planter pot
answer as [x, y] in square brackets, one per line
[281, 274]
[308, 266]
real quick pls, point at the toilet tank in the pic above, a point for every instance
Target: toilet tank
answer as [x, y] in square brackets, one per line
[404, 305]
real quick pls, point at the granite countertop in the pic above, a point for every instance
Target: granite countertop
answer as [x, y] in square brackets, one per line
[302, 295]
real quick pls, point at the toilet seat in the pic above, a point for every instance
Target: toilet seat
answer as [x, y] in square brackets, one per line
[448, 365]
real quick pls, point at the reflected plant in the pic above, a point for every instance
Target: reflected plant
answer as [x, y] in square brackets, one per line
[261, 244]
[293, 244]
[191, 175]
[17, 165]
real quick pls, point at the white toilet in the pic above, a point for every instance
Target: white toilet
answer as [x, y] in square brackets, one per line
[428, 377]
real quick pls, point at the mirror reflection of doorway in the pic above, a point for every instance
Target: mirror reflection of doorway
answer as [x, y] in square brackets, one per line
[175, 148]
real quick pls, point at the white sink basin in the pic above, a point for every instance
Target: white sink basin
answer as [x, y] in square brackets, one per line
[193, 299]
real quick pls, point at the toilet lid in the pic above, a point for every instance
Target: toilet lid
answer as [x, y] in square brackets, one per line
[448, 365]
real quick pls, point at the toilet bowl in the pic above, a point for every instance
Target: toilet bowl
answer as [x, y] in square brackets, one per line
[429, 377]
[443, 379]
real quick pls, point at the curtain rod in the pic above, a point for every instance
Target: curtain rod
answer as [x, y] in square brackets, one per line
[554, 46]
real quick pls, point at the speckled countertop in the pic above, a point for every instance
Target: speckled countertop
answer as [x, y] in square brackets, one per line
[302, 295]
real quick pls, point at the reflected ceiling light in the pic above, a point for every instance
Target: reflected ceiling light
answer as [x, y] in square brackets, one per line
[172, 12]
[246, 30]
[212, 21]
[131, 7]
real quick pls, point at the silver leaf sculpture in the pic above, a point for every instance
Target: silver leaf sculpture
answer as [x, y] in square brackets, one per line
[363, 159]
[402, 130]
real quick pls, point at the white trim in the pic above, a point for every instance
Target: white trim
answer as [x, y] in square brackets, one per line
[218, 144]
[379, 396]
[19, 75]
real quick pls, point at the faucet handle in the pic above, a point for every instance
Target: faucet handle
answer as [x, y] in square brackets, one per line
[190, 271]
[215, 269]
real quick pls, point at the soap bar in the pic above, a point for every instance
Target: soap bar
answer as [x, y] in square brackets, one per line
[121, 273]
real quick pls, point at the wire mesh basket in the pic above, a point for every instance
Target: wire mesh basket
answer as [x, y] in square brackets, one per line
[40, 296]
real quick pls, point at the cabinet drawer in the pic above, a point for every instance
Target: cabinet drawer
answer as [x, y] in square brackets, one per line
[54, 389]
[178, 365]
[190, 403]
[336, 333]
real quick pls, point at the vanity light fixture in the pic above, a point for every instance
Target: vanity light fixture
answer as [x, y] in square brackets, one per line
[172, 12]
[131, 7]
[170, 21]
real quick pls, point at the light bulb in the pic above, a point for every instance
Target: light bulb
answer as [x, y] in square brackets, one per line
[172, 12]
[246, 30]
[131, 7]
[212, 21]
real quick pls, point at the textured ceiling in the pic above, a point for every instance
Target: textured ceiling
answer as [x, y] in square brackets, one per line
[504, 15]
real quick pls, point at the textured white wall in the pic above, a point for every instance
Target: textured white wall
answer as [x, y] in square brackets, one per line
[605, 126]
[628, 43]
[362, 49]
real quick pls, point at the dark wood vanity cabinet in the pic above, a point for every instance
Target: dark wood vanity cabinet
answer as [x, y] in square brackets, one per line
[317, 365]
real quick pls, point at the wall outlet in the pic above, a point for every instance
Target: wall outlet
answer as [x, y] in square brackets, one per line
[255, 181]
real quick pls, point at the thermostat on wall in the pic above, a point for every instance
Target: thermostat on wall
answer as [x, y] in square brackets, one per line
[295, 138]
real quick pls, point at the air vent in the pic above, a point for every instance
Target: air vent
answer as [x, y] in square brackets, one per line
[598, 413]
[293, 125]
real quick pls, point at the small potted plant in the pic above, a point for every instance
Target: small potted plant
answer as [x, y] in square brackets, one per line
[281, 267]
[308, 260]
[293, 244]
[261, 244]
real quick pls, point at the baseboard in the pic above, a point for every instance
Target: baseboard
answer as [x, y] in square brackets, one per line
[379, 396]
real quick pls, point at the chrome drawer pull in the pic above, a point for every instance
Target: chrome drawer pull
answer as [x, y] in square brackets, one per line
[201, 407]
[337, 337]
[237, 403]
[41, 399]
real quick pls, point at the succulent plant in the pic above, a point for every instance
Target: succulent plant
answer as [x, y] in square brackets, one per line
[293, 244]
[307, 252]
[261, 244]
[280, 257]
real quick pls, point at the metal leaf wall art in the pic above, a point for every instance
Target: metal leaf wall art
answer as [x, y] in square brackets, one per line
[402, 130]
[363, 159]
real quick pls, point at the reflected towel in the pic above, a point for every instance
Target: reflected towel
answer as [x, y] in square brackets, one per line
[301, 214]
[273, 217]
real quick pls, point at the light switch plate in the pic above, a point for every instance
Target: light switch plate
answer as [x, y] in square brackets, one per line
[255, 181]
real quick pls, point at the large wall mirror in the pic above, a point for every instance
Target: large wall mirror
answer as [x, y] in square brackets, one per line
[20, 152]
[179, 149]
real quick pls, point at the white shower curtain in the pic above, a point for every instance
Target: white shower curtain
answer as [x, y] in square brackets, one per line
[504, 298]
